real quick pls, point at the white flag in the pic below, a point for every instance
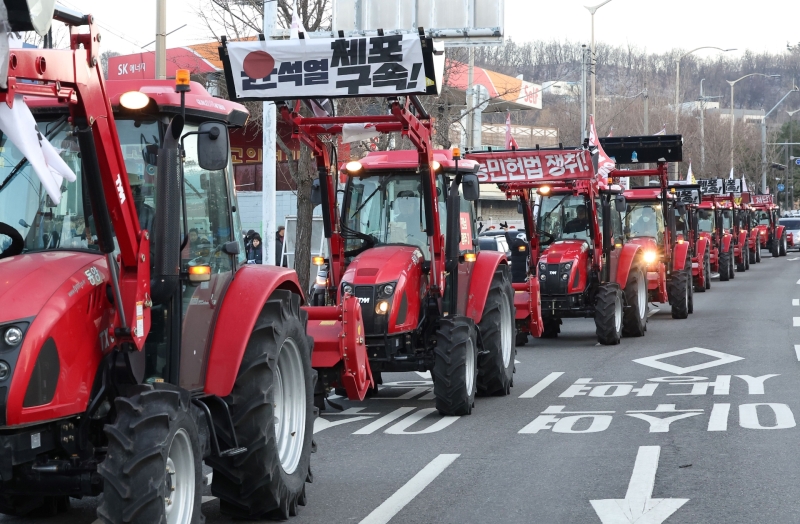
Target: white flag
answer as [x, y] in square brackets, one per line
[662, 132]
[690, 176]
[744, 185]
[297, 24]
[730, 177]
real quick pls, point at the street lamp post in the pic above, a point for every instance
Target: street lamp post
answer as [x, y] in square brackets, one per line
[593, 10]
[764, 141]
[732, 83]
[791, 150]
[678, 77]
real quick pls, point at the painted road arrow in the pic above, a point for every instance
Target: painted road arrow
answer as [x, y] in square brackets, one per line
[637, 506]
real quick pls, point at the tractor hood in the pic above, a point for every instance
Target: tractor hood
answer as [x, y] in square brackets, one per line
[382, 264]
[564, 251]
[28, 281]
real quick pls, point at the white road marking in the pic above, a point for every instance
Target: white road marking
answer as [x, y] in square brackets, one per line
[391, 506]
[718, 421]
[321, 424]
[796, 258]
[542, 384]
[517, 361]
[748, 416]
[637, 506]
[384, 420]
[796, 322]
[719, 359]
[798, 281]
[797, 351]
[209, 478]
[208, 499]
[401, 427]
[796, 301]
[424, 374]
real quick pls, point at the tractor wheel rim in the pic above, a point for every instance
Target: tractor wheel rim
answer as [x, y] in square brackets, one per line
[469, 367]
[290, 405]
[641, 290]
[180, 476]
[618, 313]
[506, 332]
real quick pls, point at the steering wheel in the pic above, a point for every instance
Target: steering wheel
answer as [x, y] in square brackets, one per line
[551, 236]
[17, 243]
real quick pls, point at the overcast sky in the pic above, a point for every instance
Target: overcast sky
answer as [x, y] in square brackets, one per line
[765, 25]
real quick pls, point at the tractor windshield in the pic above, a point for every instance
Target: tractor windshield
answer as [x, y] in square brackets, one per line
[705, 220]
[763, 218]
[727, 219]
[387, 209]
[644, 219]
[563, 217]
[26, 207]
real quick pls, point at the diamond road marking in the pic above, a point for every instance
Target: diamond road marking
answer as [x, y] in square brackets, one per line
[655, 360]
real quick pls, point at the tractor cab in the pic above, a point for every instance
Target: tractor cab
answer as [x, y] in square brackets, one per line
[765, 219]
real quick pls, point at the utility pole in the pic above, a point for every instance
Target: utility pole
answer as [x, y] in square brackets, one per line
[593, 10]
[268, 131]
[702, 129]
[583, 92]
[161, 39]
[471, 100]
[764, 141]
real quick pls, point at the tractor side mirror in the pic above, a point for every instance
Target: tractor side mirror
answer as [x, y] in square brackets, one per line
[471, 187]
[316, 193]
[619, 203]
[213, 148]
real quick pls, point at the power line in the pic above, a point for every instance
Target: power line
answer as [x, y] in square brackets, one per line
[103, 26]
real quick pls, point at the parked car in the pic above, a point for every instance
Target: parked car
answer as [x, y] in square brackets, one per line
[792, 231]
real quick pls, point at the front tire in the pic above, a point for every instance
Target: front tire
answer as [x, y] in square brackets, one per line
[679, 294]
[153, 471]
[272, 407]
[634, 320]
[783, 246]
[752, 256]
[496, 367]
[725, 266]
[758, 252]
[455, 367]
[608, 314]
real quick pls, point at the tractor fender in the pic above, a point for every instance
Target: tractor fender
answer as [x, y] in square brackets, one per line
[743, 240]
[483, 270]
[679, 256]
[779, 232]
[246, 296]
[726, 243]
[629, 254]
[702, 246]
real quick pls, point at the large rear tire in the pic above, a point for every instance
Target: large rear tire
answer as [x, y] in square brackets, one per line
[455, 367]
[783, 245]
[679, 294]
[153, 471]
[758, 252]
[498, 340]
[752, 256]
[634, 319]
[608, 314]
[725, 266]
[741, 267]
[272, 407]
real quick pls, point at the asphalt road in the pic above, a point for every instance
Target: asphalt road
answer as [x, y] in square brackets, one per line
[694, 423]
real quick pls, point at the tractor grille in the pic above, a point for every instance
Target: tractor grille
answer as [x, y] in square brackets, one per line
[552, 284]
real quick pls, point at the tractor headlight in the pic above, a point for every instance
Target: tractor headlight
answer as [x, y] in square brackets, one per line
[347, 288]
[650, 256]
[567, 266]
[13, 336]
[5, 370]
[542, 267]
[542, 276]
[382, 307]
[387, 290]
[565, 277]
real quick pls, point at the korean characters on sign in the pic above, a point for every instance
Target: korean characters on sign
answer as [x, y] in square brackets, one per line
[687, 196]
[712, 186]
[733, 186]
[762, 199]
[327, 67]
[533, 166]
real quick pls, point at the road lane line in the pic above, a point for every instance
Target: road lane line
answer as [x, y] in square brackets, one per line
[796, 321]
[719, 417]
[391, 506]
[796, 301]
[208, 499]
[542, 384]
[384, 420]
[798, 281]
[797, 351]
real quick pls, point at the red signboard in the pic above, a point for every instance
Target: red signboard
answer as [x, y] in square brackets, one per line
[762, 199]
[532, 166]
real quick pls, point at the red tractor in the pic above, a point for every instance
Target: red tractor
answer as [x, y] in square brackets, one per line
[135, 341]
[771, 234]
[745, 218]
[710, 226]
[651, 219]
[404, 244]
[584, 267]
